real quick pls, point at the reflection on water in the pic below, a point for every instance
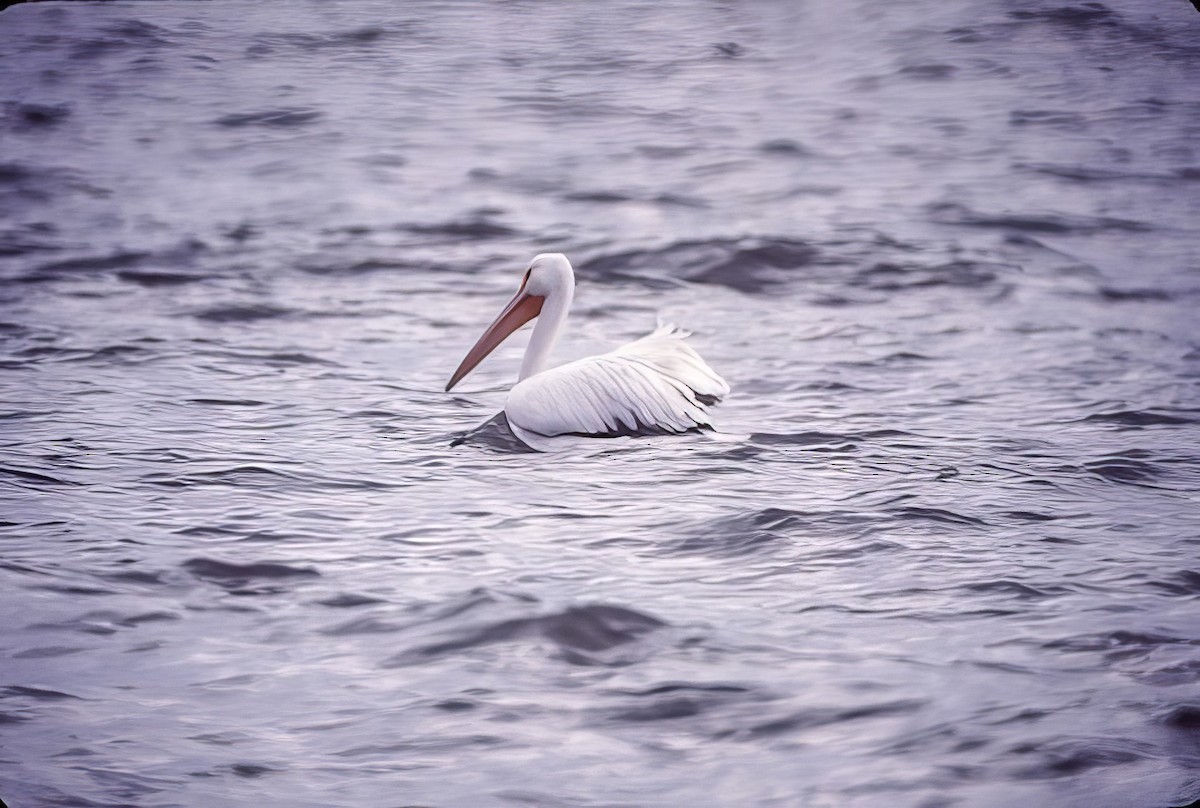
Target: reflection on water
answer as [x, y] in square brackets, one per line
[944, 553]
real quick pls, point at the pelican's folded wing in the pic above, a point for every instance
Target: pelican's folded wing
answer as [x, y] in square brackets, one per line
[654, 385]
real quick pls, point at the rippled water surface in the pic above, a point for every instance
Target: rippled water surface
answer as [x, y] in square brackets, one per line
[946, 551]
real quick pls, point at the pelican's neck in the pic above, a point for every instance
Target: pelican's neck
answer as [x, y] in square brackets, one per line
[545, 331]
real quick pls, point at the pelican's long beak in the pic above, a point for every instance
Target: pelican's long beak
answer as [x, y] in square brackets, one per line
[520, 310]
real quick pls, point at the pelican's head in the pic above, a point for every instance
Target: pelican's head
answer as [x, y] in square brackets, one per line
[549, 276]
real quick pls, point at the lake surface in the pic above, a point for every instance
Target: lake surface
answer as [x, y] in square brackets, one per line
[944, 552]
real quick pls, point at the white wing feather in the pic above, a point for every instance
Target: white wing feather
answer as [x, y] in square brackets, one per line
[654, 384]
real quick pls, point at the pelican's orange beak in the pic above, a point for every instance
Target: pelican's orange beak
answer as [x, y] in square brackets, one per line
[520, 310]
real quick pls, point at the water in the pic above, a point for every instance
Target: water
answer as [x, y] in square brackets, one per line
[945, 254]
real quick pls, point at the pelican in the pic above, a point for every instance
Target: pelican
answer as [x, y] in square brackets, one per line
[653, 385]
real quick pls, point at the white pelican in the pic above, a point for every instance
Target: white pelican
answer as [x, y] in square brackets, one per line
[653, 385]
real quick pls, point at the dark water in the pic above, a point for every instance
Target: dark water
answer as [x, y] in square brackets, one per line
[946, 255]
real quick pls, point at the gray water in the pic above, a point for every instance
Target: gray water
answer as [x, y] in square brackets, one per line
[945, 552]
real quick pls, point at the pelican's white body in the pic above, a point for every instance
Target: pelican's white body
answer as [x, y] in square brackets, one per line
[655, 384]
[652, 385]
